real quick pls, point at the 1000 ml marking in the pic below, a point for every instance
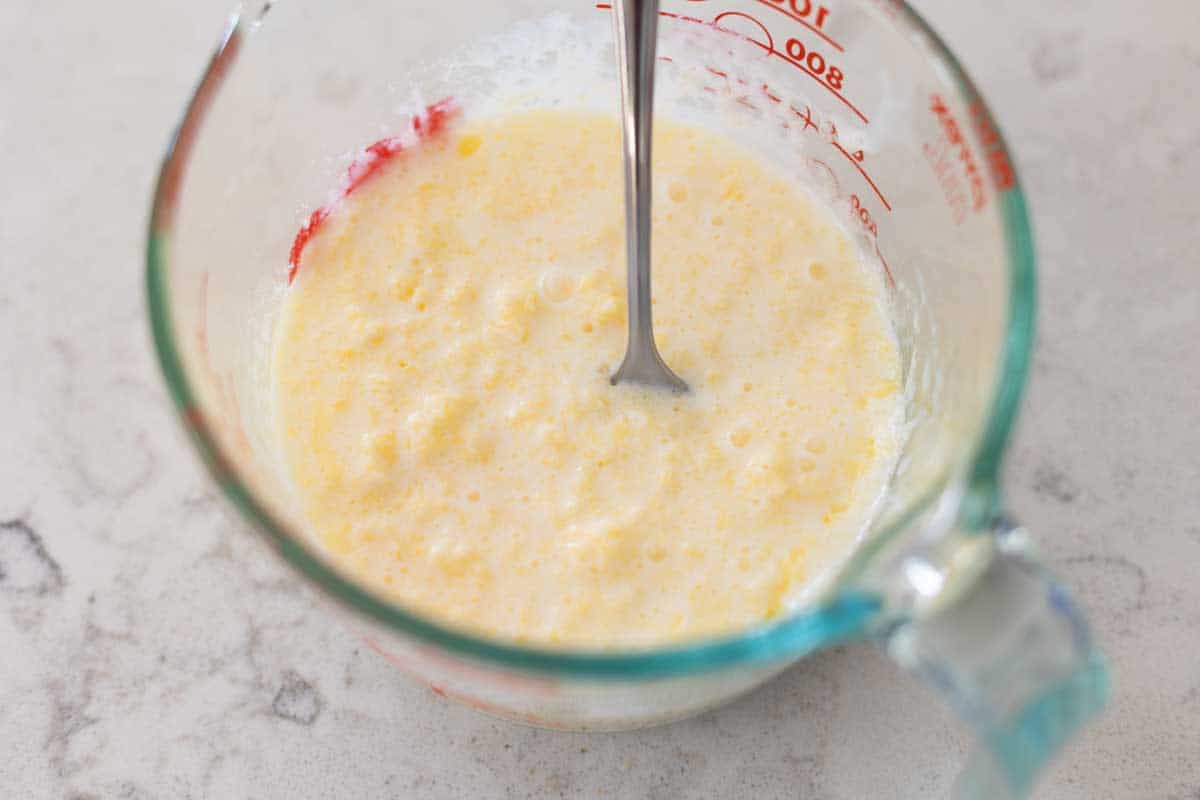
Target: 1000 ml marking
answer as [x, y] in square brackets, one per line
[804, 9]
[807, 13]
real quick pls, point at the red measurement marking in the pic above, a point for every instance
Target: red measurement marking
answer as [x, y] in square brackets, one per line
[426, 125]
[683, 17]
[779, 6]
[864, 215]
[855, 161]
[806, 118]
[953, 134]
[809, 73]
[940, 161]
[887, 270]
[806, 115]
[831, 83]
[768, 47]
[1003, 175]
[833, 178]
[767, 42]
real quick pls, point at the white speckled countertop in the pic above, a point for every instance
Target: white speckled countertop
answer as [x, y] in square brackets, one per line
[148, 649]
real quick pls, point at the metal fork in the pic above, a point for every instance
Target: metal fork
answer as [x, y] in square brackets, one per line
[637, 41]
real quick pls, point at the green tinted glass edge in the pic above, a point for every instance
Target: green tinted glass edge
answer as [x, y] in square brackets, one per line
[982, 502]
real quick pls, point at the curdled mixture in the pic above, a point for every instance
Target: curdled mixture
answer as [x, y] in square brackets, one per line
[442, 387]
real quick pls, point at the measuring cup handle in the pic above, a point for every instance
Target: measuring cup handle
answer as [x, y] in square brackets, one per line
[1013, 655]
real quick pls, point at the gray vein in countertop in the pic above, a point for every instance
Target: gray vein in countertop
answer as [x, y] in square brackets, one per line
[25, 566]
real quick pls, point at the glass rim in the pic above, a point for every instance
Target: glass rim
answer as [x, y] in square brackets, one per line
[844, 614]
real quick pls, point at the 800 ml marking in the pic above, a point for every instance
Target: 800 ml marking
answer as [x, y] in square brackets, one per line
[815, 62]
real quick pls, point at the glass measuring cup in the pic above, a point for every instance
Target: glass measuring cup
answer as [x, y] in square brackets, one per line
[862, 98]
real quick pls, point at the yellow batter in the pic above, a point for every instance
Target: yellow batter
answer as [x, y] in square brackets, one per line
[442, 387]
